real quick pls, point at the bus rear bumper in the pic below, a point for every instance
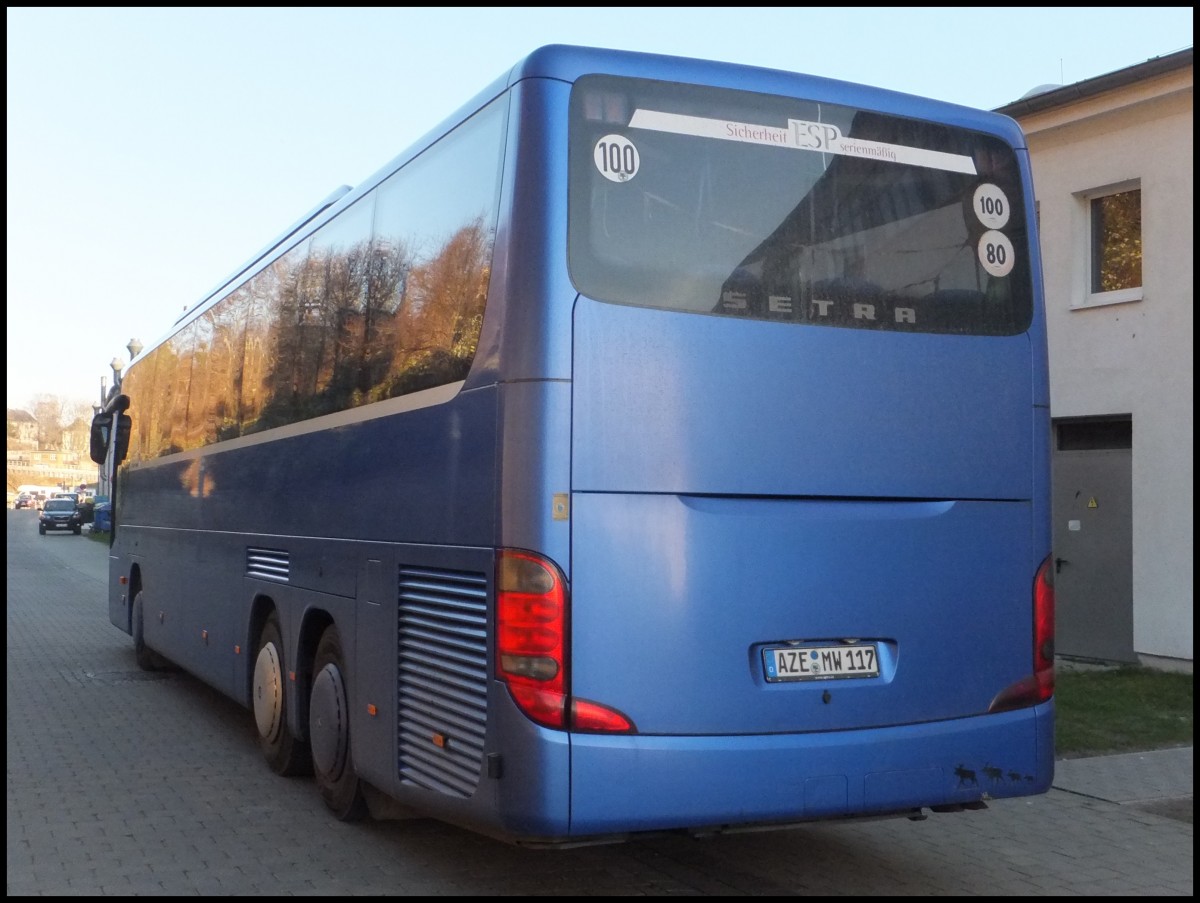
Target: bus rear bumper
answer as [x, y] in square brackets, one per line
[637, 783]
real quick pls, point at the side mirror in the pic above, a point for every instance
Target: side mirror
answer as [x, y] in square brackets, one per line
[124, 423]
[101, 429]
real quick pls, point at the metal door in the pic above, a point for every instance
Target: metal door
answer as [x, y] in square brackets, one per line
[1093, 540]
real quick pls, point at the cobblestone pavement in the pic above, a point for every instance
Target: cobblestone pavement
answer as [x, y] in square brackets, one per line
[128, 783]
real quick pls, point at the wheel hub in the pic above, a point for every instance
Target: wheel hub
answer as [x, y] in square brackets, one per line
[268, 692]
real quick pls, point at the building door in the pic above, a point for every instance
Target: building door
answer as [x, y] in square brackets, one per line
[1092, 476]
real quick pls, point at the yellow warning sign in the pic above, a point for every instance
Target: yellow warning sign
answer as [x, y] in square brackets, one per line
[1092, 502]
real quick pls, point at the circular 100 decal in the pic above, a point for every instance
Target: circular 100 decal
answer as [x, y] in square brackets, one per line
[616, 158]
[990, 205]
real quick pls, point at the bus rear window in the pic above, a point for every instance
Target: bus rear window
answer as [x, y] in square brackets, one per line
[745, 205]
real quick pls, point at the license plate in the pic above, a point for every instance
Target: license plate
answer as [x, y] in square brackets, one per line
[820, 662]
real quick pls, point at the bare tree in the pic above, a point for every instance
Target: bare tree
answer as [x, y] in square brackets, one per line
[53, 414]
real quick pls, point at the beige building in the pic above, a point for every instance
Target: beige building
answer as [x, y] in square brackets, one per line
[22, 430]
[65, 466]
[1112, 166]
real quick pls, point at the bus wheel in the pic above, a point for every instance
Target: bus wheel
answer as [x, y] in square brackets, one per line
[329, 731]
[284, 753]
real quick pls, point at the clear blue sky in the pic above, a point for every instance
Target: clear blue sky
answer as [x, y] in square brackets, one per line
[152, 151]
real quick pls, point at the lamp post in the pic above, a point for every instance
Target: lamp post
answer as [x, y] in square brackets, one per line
[108, 468]
[101, 476]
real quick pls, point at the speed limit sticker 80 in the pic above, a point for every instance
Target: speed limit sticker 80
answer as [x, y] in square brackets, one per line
[996, 253]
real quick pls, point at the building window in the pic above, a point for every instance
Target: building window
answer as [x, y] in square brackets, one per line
[1094, 433]
[1114, 246]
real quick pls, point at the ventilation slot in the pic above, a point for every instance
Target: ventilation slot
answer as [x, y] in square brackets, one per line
[267, 564]
[442, 691]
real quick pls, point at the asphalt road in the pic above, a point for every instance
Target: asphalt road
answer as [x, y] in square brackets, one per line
[128, 783]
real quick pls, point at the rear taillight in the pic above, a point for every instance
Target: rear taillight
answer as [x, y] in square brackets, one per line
[531, 643]
[531, 628]
[1038, 686]
[1043, 630]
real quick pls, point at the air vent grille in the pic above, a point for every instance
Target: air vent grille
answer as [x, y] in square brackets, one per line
[268, 564]
[442, 692]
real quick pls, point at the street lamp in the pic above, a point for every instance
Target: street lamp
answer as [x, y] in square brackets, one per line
[109, 466]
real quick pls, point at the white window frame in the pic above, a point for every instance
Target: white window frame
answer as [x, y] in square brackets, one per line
[1087, 298]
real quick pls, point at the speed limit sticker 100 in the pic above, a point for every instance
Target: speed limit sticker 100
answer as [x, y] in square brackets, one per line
[616, 158]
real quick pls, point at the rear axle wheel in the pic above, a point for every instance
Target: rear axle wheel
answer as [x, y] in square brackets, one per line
[329, 731]
[284, 753]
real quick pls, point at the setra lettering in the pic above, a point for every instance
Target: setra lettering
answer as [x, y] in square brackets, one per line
[734, 300]
[821, 308]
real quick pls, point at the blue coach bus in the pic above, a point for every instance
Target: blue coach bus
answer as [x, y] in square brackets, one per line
[657, 445]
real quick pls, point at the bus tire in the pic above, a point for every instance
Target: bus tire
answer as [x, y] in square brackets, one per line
[329, 731]
[284, 753]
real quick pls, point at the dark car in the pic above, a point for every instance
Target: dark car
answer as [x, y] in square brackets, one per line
[25, 500]
[60, 514]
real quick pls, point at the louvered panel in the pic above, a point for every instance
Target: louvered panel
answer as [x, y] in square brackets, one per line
[268, 564]
[439, 771]
[444, 710]
[449, 656]
[453, 695]
[442, 687]
[429, 628]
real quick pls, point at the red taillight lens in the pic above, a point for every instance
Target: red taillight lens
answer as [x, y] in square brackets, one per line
[1043, 630]
[531, 626]
[531, 644]
[596, 718]
[1038, 686]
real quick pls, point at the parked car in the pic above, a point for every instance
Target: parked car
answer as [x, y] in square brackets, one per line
[25, 500]
[60, 514]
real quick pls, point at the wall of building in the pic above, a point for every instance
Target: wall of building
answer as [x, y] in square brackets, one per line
[1132, 358]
